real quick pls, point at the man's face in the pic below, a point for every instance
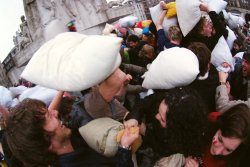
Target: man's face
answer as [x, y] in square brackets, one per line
[133, 44]
[207, 29]
[246, 69]
[54, 125]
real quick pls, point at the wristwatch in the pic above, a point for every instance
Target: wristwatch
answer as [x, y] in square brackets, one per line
[125, 148]
[222, 83]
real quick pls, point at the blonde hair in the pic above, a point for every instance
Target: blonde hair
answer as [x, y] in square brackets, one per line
[147, 50]
[174, 33]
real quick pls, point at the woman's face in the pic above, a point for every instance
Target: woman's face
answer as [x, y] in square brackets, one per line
[223, 145]
[161, 115]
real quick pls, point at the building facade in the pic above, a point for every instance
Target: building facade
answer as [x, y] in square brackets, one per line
[4, 80]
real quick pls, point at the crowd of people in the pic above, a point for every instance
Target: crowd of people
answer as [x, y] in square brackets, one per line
[204, 123]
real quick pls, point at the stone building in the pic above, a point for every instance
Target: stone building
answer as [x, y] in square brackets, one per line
[4, 80]
[238, 7]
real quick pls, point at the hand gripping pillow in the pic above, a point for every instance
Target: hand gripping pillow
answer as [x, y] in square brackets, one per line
[172, 68]
[221, 53]
[171, 9]
[231, 38]
[155, 13]
[188, 14]
[128, 21]
[216, 5]
[101, 135]
[73, 61]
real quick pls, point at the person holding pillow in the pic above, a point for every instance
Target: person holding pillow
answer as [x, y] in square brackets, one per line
[228, 140]
[203, 30]
[171, 121]
[174, 32]
[223, 100]
[37, 137]
[208, 79]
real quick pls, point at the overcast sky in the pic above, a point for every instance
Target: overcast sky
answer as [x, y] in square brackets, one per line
[10, 13]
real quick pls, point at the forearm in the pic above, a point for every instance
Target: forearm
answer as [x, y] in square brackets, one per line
[55, 104]
[223, 102]
[160, 20]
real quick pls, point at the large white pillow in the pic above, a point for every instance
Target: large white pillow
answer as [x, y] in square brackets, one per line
[16, 91]
[234, 21]
[188, 14]
[100, 134]
[73, 61]
[231, 38]
[155, 13]
[172, 68]
[215, 5]
[128, 21]
[225, 14]
[220, 54]
[39, 93]
[5, 97]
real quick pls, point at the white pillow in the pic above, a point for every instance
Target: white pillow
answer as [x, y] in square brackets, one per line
[225, 14]
[216, 5]
[231, 38]
[155, 13]
[221, 53]
[188, 14]
[172, 68]
[5, 97]
[241, 21]
[15, 91]
[239, 55]
[234, 21]
[39, 93]
[128, 21]
[108, 29]
[73, 61]
[101, 135]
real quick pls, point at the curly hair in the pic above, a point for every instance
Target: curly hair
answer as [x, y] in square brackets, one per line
[186, 121]
[25, 135]
[196, 31]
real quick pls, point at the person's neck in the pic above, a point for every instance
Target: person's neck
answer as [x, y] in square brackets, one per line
[64, 148]
[107, 92]
[175, 42]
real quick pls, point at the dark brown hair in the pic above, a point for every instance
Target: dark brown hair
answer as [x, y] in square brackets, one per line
[235, 123]
[203, 54]
[25, 135]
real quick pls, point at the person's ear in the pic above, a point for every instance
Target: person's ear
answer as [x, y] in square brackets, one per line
[51, 147]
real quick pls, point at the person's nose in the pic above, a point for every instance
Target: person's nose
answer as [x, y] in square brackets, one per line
[219, 150]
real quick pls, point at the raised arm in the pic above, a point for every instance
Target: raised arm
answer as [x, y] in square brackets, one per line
[161, 17]
[55, 104]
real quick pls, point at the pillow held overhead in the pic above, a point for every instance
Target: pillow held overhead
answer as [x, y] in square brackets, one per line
[188, 14]
[73, 61]
[155, 13]
[220, 54]
[216, 5]
[172, 68]
[171, 9]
